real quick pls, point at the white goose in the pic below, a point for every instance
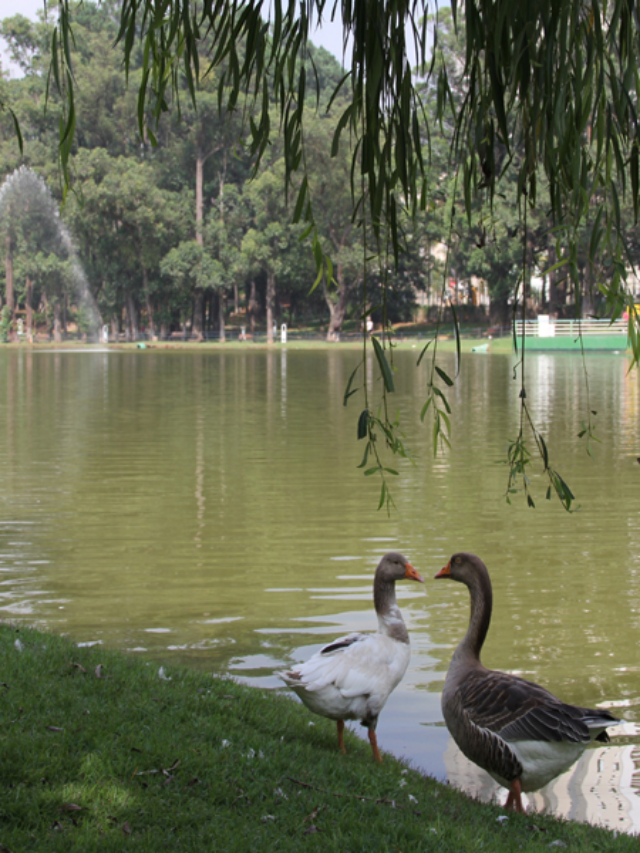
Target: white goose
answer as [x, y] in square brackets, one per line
[514, 729]
[352, 677]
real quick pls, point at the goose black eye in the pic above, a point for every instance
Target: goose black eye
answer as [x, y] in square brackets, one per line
[458, 560]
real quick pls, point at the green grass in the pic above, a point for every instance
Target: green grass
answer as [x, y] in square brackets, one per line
[100, 753]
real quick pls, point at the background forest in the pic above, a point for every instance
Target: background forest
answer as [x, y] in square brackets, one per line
[176, 233]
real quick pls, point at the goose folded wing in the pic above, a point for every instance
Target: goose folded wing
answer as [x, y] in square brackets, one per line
[333, 664]
[517, 709]
[375, 669]
[343, 643]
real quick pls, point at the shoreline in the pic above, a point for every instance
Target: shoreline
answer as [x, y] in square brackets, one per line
[448, 344]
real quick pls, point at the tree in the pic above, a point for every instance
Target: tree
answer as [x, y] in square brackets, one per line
[204, 143]
[124, 225]
[272, 242]
[329, 182]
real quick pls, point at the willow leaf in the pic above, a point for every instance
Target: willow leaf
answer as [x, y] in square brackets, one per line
[385, 370]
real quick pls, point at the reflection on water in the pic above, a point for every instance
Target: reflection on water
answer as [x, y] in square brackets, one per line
[602, 788]
[207, 508]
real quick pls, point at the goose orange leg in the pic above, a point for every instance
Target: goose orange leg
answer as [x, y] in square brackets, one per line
[373, 740]
[340, 724]
[514, 800]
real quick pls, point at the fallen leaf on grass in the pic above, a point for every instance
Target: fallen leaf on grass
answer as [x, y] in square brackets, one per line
[79, 666]
[266, 818]
[55, 729]
[126, 828]
[3, 684]
[70, 807]
[194, 781]
[175, 764]
[311, 829]
[57, 826]
[18, 645]
[98, 671]
[162, 675]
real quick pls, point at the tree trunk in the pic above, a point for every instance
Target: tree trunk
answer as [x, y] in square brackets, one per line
[198, 307]
[337, 308]
[271, 304]
[9, 275]
[29, 307]
[221, 306]
[9, 282]
[212, 310]
[57, 321]
[587, 303]
[252, 307]
[132, 319]
[199, 196]
[115, 328]
[151, 323]
[151, 330]
[553, 278]
[198, 312]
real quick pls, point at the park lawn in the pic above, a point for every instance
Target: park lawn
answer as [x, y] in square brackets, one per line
[102, 751]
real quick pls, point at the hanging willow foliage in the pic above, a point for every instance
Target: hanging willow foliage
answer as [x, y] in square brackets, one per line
[549, 84]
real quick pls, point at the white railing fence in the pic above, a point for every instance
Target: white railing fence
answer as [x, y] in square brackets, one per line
[544, 327]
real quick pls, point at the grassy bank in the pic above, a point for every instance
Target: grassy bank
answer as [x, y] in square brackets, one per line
[103, 752]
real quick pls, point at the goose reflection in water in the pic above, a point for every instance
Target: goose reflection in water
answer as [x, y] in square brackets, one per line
[602, 788]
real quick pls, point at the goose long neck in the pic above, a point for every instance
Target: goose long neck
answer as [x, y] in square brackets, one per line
[480, 618]
[390, 621]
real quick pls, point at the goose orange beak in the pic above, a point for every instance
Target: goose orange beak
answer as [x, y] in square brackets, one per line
[444, 573]
[412, 574]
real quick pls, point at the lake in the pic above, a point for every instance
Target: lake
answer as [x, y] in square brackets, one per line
[206, 508]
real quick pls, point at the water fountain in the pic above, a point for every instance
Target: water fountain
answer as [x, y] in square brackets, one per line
[38, 244]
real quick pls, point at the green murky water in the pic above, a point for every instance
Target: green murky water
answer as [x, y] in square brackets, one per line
[207, 508]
